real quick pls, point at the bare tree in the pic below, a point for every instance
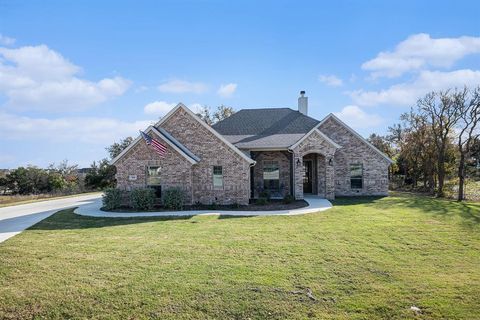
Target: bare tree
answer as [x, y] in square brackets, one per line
[205, 114]
[443, 116]
[222, 112]
[418, 149]
[467, 102]
[383, 144]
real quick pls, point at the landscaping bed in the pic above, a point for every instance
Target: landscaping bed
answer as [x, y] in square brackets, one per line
[173, 199]
[269, 206]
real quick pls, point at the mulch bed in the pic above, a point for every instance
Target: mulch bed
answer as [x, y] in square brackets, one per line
[271, 205]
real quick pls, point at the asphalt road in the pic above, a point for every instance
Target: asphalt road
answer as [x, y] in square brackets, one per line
[15, 219]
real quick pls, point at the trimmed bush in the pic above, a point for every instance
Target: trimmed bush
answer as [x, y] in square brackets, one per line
[173, 198]
[261, 201]
[142, 199]
[265, 194]
[213, 206]
[112, 198]
[288, 199]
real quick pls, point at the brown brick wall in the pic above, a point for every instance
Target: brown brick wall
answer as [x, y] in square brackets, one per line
[331, 179]
[212, 152]
[175, 169]
[283, 158]
[354, 150]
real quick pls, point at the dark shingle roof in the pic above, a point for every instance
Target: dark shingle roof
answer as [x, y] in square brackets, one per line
[265, 128]
[265, 122]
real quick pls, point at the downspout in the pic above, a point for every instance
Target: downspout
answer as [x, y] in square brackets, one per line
[252, 194]
[292, 170]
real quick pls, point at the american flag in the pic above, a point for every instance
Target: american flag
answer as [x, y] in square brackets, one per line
[155, 144]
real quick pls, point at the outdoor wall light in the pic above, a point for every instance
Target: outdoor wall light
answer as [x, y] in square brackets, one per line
[330, 162]
[298, 162]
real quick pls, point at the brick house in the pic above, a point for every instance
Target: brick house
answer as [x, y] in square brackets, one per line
[279, 150]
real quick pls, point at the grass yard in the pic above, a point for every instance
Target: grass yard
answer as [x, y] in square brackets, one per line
[364, 259]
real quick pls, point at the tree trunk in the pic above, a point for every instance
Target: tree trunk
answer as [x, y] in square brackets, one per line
[461, 178]
[441, 173]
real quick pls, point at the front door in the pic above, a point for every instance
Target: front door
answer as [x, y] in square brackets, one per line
[307, 176]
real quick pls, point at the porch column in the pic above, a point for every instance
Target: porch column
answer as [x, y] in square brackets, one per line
[329, 178]
[298, 176]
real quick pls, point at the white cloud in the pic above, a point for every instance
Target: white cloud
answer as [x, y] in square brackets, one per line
[6, 41]
[227, 90]
[408, 93]
[91, 130]
[38, 78]
[180, 86]
[141, 89]
[6, 159]
[357, 118]
[330, 80]
[420, 51]
[158, 107]
[195, 107]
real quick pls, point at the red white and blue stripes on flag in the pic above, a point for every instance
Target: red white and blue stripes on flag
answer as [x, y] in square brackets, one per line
[155, 144]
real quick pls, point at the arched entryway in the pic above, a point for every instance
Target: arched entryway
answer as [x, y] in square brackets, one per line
[314, 174]
[320, 150]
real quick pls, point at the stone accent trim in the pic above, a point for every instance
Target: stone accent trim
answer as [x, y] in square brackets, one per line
[317, 144]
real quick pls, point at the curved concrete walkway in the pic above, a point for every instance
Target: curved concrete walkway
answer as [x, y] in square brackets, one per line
[92, 209]
[16, 218]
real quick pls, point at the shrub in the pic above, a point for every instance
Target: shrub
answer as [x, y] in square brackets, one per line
[264, 194]
[288, 199]
[174, 198]
[236, 205]
[213, 206]
[142, 199]
[262, 201]
[112, 199]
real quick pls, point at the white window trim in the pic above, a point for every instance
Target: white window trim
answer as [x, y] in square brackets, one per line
[213, 179]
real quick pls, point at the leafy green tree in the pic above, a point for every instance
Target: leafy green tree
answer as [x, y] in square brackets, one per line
[116, 148]
[3, 185]
[29, 180]
[101, 175]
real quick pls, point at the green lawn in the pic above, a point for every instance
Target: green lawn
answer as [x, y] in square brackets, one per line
[363, 259]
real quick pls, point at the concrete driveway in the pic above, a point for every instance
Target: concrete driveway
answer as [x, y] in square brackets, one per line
[15, 219]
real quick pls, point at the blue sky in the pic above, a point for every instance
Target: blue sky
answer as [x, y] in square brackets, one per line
[75, 77]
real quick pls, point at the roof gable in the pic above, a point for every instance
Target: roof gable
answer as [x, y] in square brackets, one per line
[205, 125]
[354, 133]
[172, 142]
[316, 130]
